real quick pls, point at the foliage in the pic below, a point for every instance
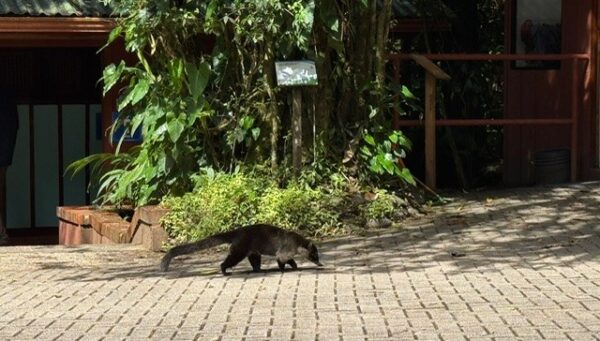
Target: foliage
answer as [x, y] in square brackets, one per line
[164, 95]
[217, 204]
[222, 201]
[472, 155]
[118, 166]
[383, 206]
[384, 156]
[294, 207]
[203, 91]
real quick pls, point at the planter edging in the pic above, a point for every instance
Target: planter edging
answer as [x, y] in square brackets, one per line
[87, 225]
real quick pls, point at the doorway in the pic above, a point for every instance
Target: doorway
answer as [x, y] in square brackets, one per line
[59, 122]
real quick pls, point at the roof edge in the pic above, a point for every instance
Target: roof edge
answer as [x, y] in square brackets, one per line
[56, 25]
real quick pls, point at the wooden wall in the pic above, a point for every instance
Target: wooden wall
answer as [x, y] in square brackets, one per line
[547, 93]
[51, 75]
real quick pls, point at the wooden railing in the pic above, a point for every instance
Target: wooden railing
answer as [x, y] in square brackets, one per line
[433, 72]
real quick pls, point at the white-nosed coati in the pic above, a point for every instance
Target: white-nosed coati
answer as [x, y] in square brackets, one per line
[252, 242]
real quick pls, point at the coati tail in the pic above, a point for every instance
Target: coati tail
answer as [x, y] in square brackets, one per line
[184, 249]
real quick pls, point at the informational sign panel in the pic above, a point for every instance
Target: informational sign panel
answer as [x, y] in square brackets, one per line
[296, 73]
[135, 137]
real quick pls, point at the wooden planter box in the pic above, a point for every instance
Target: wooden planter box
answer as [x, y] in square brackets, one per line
[86, 225]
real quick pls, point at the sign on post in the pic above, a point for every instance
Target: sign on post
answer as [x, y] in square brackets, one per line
[296, 74]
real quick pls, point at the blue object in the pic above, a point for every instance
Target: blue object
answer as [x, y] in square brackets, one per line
[121, 130]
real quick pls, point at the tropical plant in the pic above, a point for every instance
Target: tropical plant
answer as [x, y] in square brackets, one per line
[203, 89]
[223, 201]
[384, 156]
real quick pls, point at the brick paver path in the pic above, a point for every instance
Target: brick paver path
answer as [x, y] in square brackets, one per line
[519, 264]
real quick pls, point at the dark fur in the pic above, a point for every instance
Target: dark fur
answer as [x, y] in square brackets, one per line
[252, 242]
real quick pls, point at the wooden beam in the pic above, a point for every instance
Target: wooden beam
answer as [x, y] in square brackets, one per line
[489, 57]
[54, 32]
[420, 25]
[430, 152]
[16, 40]
[475, 122]
[430, 67]
[49, 25]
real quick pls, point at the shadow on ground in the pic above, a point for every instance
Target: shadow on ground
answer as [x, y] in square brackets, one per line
[530, 228]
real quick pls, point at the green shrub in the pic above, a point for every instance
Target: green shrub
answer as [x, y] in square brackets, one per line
[382, 207]
[221, 202]
[217, 204]
[298, 208]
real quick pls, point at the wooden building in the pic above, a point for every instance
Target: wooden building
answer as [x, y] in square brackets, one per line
[50, 66]
[550, 90]
[564, 89]
[51, 63]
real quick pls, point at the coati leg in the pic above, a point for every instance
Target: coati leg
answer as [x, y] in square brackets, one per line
[254, 259]
[293, 264]
[234, 257]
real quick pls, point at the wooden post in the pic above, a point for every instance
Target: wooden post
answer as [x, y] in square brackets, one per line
[297, 130]
[430, 152]
[574, 119]
[432, 74]
[2, 203]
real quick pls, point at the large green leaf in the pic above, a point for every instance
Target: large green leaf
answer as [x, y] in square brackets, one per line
[175, 128]
[387, 164]
[369, 139]
[255, 133]
[308, 14]
[175, 67]
[135, 94]
[211, 9]
[329, 16]
[139, 91]
[407, 93]
[197, 78]
[405, 175]
[111, 75]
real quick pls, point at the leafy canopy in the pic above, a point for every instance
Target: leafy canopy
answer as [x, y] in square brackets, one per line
[203, 92]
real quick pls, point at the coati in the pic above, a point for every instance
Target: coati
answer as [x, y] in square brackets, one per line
[252, 242]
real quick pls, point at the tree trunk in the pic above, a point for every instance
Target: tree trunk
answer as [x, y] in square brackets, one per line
[383, 28]
[269, 70]
[323, 103]
[297, 130]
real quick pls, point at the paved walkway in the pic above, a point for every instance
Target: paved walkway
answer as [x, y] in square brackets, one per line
[519, 264]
